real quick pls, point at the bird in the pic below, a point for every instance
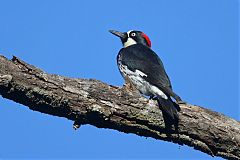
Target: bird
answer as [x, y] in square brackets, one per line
[143, 69]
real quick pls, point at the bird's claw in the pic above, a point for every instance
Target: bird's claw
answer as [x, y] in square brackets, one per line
[181, 102]
[153, 97]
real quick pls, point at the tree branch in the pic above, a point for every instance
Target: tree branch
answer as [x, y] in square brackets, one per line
[89, 101]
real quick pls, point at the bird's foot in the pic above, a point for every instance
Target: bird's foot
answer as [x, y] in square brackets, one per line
[181, 102]
[152, 97]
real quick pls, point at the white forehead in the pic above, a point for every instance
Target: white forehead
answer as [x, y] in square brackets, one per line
[128, 32]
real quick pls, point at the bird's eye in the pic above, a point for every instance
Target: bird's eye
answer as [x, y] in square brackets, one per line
[133, 34]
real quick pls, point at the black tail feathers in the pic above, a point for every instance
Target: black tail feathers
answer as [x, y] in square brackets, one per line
[170, 111]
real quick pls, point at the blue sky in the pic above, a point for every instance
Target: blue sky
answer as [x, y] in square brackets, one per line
[197, 41]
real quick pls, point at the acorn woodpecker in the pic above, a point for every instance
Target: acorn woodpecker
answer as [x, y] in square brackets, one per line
[140, 65]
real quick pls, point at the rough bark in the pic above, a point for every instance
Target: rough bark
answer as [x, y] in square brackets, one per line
[89, 101]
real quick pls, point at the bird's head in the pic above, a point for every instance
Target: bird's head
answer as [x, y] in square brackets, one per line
[132, 37]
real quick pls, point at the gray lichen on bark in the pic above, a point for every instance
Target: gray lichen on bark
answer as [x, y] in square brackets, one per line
[89, 101]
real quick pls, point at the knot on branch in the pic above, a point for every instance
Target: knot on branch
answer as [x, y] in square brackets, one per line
[5, 79]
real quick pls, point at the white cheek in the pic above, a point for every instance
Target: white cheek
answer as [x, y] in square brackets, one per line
[129, 42]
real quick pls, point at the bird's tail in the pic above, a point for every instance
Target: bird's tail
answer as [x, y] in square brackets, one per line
[170, 110]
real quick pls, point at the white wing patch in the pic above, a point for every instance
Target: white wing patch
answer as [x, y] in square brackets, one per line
[140, 73]
[158, 92]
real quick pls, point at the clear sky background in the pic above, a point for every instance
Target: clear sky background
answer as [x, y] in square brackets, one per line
[197, 41]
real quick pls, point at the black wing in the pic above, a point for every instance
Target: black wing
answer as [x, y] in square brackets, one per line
[140, 57]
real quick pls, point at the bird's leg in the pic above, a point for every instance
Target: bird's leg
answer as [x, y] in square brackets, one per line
[179, 100]
[151, 97]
